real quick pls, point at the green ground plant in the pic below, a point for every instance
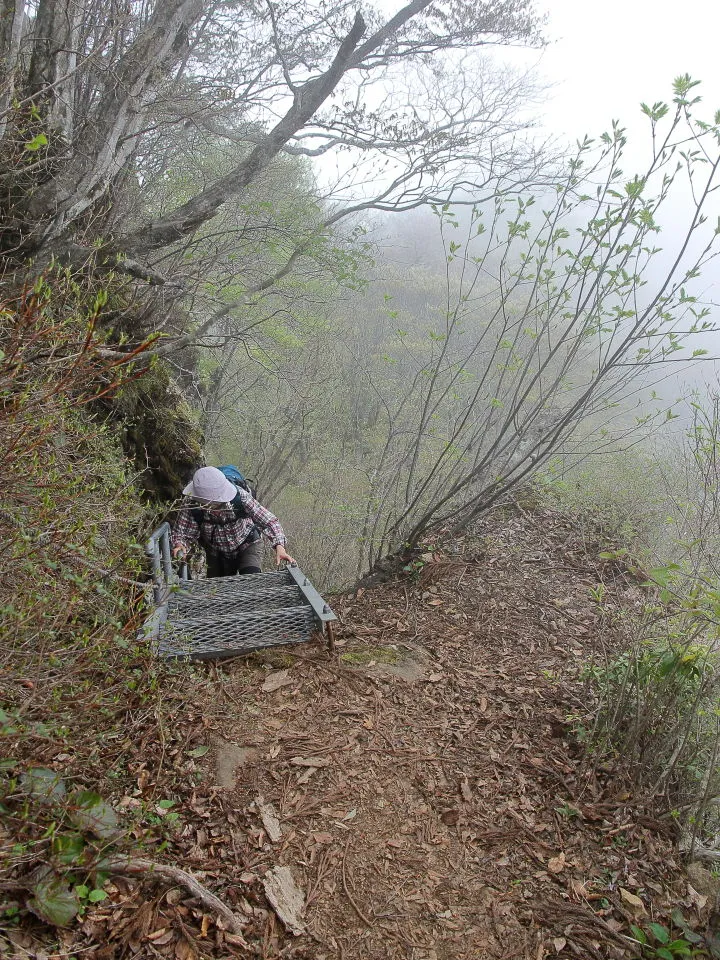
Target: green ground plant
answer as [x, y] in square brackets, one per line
[74, 680]
[656, 522]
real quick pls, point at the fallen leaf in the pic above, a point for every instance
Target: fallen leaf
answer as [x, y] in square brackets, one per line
[306, 774]
[579, 889]
[310, 762]
[281, 678]
[465, 791]
[435, 677]
[234, 939]
[559, 943]
[635, 903]
[162, 937]
[183, 950]
[698, 899]
[557, 864]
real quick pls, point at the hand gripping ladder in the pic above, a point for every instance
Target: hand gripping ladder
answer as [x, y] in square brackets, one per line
[227, 616]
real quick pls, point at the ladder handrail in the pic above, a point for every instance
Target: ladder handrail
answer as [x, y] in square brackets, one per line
[158, 549]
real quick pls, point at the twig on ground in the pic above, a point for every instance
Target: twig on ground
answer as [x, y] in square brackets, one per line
[354, 905]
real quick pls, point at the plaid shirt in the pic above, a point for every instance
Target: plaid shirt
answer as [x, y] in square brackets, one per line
[226, 537]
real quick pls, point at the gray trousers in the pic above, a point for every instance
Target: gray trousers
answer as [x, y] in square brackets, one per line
[247, 559]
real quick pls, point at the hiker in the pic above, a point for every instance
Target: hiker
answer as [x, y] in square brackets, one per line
[227, 521]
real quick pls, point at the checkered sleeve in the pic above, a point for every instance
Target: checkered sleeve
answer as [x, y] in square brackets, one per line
[185, 531]
[266, 521]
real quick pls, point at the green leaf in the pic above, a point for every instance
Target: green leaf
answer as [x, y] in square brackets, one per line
[659, 932]
[95, 896]
[198, 752]
[32, 146]
[54, 902]
[68, 847]
[82, 890]
[664, 953]
[43, 784]
[680, 948]
[638, 934]
[92, 814]
[166, 804]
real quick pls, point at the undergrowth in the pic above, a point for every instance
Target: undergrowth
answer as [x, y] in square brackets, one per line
[655, 521]
[80, 698]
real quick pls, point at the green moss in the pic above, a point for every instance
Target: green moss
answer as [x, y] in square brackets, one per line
[273, 658]
[159, 430]
[367, 655]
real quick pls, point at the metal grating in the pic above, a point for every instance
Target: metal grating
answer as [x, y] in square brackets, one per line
[228, 601]
[226, 616]
[211, 637]
[249, 583]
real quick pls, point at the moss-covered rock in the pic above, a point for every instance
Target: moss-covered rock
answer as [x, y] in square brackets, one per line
[159, 432]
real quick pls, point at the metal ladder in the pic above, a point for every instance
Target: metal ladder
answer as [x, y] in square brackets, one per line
[227, 616]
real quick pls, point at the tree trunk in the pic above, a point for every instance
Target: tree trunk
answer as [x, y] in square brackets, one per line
[11, 23]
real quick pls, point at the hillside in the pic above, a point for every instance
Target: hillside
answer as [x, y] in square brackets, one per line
[427, 790]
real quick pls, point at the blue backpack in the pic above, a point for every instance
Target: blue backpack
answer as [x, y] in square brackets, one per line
[242, 483]
[239, 479]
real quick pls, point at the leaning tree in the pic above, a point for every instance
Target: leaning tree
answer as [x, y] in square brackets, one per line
[95, 96]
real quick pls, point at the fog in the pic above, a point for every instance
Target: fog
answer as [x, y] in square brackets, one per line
[601, 62]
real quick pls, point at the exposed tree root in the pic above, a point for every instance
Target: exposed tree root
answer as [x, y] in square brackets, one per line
[136, 867]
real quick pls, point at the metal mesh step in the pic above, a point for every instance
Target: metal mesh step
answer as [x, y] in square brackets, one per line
[225, 601]
[209, 636]
[226, 616]
[249, 583]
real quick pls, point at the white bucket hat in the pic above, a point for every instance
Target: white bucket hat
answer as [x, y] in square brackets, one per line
[211, 484]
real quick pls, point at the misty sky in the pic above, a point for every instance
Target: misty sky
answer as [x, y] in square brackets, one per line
[602, 60]
[605, 58]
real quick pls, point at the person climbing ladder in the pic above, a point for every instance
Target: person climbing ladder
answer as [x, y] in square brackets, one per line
[227, 521]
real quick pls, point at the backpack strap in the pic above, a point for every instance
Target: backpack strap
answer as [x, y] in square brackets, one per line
[238, 507]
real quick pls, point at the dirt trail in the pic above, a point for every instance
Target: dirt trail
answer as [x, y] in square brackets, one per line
[424, 791]
[431, 797]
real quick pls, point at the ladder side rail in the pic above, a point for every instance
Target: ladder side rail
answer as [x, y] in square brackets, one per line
[321, 610]
[158, 549]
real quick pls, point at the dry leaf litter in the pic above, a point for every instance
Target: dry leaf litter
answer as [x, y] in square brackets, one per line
[422, 795]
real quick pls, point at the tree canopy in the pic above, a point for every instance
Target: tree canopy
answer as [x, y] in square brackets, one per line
[94, 93]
